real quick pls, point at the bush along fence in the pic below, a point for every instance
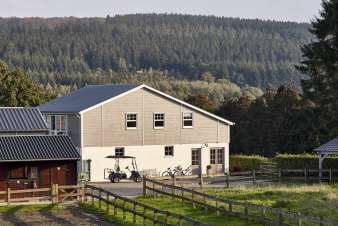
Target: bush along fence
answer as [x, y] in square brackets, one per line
[145, 212]
[243, 210]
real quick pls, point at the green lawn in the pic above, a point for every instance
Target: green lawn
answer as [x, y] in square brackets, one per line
[312, 200]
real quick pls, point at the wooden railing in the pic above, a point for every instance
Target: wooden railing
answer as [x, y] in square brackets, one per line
[243, 210]
[54, 194]
[137, 209]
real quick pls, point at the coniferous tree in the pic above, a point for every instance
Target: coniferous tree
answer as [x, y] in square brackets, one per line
[321, 65]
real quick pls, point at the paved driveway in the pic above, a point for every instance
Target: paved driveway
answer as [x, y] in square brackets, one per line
[70, 216]
[126, 189]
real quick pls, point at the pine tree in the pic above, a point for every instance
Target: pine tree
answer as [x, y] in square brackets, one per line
[321, 65]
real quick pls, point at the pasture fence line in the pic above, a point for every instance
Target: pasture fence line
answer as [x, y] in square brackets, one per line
[136, 209]
[240, 209]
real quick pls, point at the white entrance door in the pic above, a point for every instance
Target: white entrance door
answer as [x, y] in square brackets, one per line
[217, 160]
[195, 161]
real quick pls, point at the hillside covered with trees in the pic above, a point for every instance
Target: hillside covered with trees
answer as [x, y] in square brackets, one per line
[70, 51]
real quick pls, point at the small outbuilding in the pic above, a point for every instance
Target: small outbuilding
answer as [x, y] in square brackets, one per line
[329, 148]
[29, 157]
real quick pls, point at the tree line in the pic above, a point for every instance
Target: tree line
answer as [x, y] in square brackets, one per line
[246, 52]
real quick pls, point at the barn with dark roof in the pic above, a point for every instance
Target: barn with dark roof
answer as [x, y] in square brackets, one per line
[29, 156]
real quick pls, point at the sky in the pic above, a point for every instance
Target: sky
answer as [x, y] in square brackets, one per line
[281, 10]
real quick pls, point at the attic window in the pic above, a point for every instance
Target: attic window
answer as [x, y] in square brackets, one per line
[131, 120]
[159, 120]
[187, 120]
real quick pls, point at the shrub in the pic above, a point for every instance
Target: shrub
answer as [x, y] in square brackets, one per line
[245, 162]
[301, 161]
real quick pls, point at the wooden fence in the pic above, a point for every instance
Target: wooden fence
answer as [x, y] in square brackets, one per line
[244, 210]
[54, 194]
[137, 209]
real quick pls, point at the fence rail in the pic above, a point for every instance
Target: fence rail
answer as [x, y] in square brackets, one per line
[157, 216]
[54, 194]
[246, 211]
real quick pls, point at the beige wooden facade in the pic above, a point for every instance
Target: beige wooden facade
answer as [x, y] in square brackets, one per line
[104, 126]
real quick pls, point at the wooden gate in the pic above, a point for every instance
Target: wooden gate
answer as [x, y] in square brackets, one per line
[68, 193]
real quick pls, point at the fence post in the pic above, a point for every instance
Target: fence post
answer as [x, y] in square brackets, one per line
[205, 203]
[227, 177]
[280, 219]
[108, 204]
[246, 213]
[92, 194]
[182, 194]
[192, 197]
[305, 175]
[254, 176]
[100, 198]
[134, 212]
[154, 193]
[8, 195]
[279, 175]
[201, 180]
[299, 220]
[52, 193]
[330, 175]
[83, 192]
[144, 186]
[321, 221]
[56, 193]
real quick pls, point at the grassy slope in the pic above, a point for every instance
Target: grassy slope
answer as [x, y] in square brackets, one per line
[314, 200]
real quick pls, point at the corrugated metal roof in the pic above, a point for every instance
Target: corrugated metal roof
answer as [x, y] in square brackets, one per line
[34, 148]
[84, 98]
[21, 119]
[331, 146]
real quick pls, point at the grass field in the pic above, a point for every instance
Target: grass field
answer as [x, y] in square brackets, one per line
[312, 200]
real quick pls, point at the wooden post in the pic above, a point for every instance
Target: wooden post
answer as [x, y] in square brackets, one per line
[205, 203]
[108, 204]
[254, 176]
[305, 175]
[154, 193]
[321, 218]
[280, 219]
[279, 175]
[134, 212]
[52, 193]
[124, 210]
[192, 198]
[217, 211]
[330, 175]
[154, 218]
[227, 176]
[246, 213]
[56, 193]
[166, 218]
[201, 180]
[263, 212]
[100, 196]
[299, 220]
[92, 194]
[144, 216]
[230, 207]
[83, 193]
[114, 204]
[144, 186]
[8, 196]
[174, 180]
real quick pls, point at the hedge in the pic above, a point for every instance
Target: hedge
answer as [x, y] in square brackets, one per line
[285, 161]
[301, 161]
[245, 162]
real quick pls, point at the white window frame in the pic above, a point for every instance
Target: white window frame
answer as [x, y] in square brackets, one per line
[56, 131]
[126, 120]
[155, 120]
[192, 120]
[173, 151]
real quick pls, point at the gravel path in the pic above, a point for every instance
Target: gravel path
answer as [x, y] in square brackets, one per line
[69, 216]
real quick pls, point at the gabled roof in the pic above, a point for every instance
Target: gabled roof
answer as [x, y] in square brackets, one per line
[329, 147]
[93, 96]
[84, 98]
[15, 119]
[37, 148]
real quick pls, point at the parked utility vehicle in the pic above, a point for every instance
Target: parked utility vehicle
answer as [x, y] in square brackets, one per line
[116, 175]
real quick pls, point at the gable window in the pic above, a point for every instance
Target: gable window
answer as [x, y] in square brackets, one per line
[56, 124]
[131, 120]
[119, 151]
[159, 119]
[187, 120]
[169, 151]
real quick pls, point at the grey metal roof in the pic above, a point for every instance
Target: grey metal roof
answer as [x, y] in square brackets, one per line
[14, 119]
[84, 98]
[331, 146]
[37, 148]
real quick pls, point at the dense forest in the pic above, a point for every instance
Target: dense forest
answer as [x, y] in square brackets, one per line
[69, 51]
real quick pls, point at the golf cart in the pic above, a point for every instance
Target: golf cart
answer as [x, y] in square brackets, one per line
[117, 174]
